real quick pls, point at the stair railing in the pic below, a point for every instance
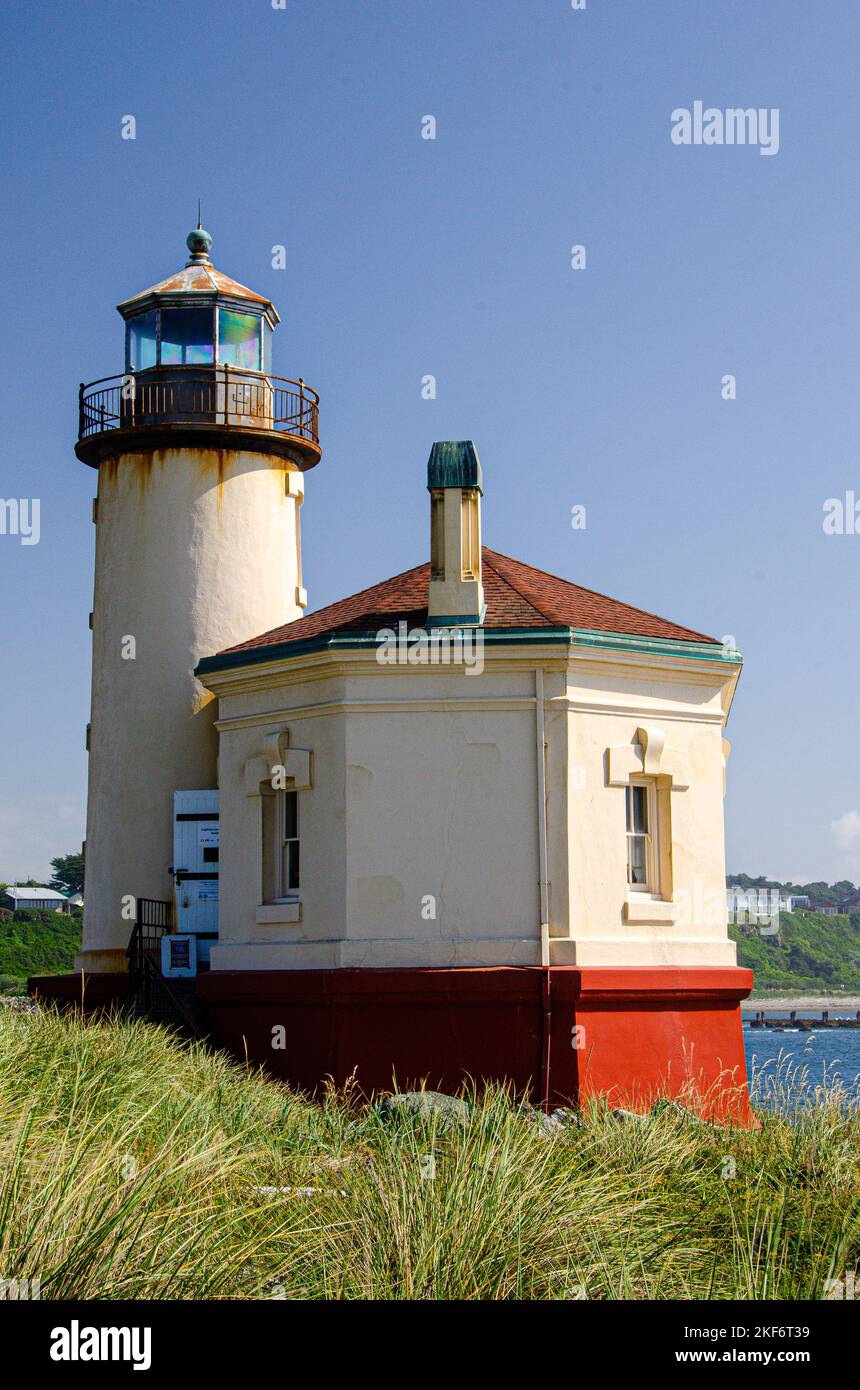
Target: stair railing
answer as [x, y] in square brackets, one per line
[149, 989]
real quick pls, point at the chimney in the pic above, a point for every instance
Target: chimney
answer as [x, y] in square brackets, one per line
[455, 484]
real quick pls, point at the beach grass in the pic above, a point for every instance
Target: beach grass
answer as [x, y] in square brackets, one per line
[136, 1166]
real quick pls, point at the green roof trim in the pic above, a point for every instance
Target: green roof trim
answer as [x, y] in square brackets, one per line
[656, 646]
[496, 637]
[358, 641]
[454, 463]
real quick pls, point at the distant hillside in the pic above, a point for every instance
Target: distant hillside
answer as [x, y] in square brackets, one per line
[37, 943]
[811, 953]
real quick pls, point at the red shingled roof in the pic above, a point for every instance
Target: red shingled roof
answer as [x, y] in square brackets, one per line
[516, 595]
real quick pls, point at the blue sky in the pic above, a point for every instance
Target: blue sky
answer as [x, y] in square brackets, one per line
[407, 257]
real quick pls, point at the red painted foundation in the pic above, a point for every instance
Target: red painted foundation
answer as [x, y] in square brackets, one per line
[95, 993]
[561, 1035]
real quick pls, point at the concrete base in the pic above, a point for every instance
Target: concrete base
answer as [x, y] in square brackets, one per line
[562, 1035]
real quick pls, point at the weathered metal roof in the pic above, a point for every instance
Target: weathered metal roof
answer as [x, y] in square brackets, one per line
[197, 276]
[194, 278]
[46, 894]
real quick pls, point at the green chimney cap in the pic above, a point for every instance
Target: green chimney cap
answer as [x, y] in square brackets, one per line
[454, 463]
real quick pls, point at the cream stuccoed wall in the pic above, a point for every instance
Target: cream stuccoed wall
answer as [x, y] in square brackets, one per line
[196, 550]
[607, 701]
[310, 713]
[442, 831]
[420, 828]
[419, 834]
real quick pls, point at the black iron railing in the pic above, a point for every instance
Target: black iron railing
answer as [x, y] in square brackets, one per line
[151, 994]
[222, 396]
[154, 920]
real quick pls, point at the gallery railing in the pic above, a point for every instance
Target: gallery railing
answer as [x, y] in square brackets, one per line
[225, 396]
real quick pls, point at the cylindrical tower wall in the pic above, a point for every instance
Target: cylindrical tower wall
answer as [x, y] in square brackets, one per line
[196, 549]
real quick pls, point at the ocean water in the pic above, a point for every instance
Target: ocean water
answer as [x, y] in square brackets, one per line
[829, 1054]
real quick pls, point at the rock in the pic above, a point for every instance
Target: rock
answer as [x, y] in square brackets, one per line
[662, 1105]
[571, 1119]
[427, 1104]
[627, 1117]
[560, 1120]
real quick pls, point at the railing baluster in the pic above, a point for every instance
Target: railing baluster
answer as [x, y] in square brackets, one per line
[278, 403]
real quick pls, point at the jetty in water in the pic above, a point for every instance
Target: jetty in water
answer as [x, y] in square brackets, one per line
[804, 1023]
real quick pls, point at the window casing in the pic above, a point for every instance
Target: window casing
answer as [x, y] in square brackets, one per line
[643, 846]
[288, 832]
[281, 845]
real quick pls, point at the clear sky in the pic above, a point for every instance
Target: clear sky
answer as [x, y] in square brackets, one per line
[405, 257]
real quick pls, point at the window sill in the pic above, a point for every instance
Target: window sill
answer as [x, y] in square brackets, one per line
[640, 908]
[273, 914]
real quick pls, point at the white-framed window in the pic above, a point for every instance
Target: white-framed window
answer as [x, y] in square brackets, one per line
[643, 850]
[281, 845]
[288, 829]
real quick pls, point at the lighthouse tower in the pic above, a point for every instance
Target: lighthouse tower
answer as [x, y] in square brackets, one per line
[200, 453]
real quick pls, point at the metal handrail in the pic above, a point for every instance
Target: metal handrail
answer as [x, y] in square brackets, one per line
[154, 920]
[162, 1004]
[224, 396]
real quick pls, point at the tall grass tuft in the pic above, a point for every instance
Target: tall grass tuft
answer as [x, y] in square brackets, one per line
[132, 1166]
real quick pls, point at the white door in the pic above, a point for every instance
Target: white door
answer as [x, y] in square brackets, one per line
[195, 861]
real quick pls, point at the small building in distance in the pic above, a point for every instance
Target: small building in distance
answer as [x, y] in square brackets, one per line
[21, 897]
[756, 904]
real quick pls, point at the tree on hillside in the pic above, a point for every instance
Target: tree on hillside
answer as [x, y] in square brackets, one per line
[68, 874]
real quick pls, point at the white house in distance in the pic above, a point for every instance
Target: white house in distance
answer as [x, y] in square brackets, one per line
[466, 822]
[23, 897]
[758, 904]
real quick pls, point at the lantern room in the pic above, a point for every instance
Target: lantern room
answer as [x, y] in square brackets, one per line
[198, 361]
[198, 318]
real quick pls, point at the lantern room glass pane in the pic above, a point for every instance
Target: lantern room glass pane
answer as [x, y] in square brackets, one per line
[239, 339]
[187, 338]
[141, 342]
[267, 346]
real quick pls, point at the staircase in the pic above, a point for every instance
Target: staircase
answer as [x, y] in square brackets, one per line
[169, 1002]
